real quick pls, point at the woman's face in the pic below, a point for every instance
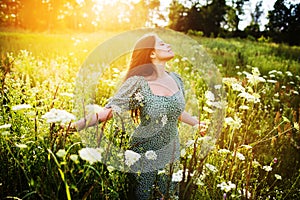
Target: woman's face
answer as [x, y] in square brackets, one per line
[163, 50]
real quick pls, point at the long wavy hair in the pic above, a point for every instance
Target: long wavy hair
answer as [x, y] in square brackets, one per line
[141, 64]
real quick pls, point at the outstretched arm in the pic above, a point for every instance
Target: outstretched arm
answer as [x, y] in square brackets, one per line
[93, 119]
[188, 119]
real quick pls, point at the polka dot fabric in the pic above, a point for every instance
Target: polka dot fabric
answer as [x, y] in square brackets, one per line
[156, 132]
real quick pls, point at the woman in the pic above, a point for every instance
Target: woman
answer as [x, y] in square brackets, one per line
[155, 98]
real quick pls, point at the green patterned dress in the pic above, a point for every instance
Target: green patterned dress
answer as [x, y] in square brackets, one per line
[157, 132]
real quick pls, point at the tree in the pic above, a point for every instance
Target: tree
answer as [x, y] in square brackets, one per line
[253, 29]
[178, 16]
[283, 25]
[212, 16]
[233, 13]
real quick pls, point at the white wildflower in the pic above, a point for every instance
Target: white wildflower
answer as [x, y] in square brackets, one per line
[66, 94]
[239, 155]
[74, 157]
[278, 177]
[211, 167]
[250, 97]
[182, 152]
[164, 120]
[217, 104]
[5, 126]
[237, 87]
[207, 109]
[254, 78]
[110, 168]
[288, 73]
[139, 97]
[243, 192]
[209, 96]
[91, 155]
[217, 87]
[271, 81]
[226, 186]
[176, 60]
[235, 123]
[189, 143]
[161, 172]
[131, 157]
[92, 109]
[177, 177]
[255, 163]
[21, 107]
[229, 81]
[223, 151]
[267, 168]
[56, 115]
[244, 107]
[151, 155]
[199, 182]
[184, 59]
[61, 153]
[272, 72]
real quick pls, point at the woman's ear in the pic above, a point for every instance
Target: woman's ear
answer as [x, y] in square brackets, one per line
[153, 55]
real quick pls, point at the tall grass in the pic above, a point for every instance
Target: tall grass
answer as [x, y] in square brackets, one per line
[255, 157]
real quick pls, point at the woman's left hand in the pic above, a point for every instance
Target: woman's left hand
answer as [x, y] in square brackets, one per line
[201, 127]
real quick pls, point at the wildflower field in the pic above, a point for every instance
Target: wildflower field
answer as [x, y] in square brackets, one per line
[256, 155]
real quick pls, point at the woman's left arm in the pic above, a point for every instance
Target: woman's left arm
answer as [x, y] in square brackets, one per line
[188, 119]
[193, 121]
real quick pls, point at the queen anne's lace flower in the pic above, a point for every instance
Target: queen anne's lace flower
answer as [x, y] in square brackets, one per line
[209, 96]
[56, 115]
[239, 155]
[131, 157]
[91, 155]
[93, 108]
[267, 168]
[278, 177]
[61, 153]
[224, 151]
[211, 167]
[177, 177]
[151, 155]
[21, 107]
[226, 186]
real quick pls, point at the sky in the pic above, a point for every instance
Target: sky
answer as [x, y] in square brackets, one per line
[249, 6]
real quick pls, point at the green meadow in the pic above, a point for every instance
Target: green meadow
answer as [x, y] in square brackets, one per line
[256, 155]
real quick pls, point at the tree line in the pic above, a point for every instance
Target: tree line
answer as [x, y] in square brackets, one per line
[211, 18]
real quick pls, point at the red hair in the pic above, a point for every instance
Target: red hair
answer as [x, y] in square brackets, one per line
[140, 64]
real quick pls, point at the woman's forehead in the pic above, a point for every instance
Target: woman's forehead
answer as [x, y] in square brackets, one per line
[159, 40]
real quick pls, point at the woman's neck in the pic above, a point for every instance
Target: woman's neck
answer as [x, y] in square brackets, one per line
[160, 71]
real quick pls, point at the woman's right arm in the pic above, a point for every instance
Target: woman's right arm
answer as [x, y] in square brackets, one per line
[92, 119]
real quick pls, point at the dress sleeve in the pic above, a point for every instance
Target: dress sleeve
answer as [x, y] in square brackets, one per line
[179, 81]
[128, 96]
